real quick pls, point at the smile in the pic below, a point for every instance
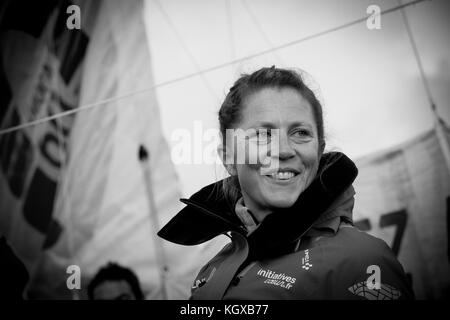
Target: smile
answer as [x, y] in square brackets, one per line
[282, 175]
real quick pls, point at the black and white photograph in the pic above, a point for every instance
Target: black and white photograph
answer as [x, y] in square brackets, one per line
[225, 150]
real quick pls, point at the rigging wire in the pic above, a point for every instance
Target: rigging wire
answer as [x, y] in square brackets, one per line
[200, 72]
[186, 49]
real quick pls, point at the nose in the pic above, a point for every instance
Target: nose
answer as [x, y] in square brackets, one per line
[285, 148]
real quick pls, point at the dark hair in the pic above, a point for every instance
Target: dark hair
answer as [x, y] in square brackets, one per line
[113, 271]
[231, 110]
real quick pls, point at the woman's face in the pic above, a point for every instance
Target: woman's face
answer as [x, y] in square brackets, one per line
[294, 147]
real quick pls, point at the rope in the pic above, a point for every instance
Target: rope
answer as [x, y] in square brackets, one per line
[186, 49]
[201, 72]
[261, 30]
[418, 59]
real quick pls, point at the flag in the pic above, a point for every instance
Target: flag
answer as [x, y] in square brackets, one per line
[73, 190]
[40, 73]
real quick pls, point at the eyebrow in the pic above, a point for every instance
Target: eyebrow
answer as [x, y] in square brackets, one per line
[300, 124]
[270, 125]
[263, 124]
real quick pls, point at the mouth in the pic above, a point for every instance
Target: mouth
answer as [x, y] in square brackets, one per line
[283, 174]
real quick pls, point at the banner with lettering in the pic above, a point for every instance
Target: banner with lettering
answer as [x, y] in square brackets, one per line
[111, 201]
[402, 197]
[40, 76]
[72, 189]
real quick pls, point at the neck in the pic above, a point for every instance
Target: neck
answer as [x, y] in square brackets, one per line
[258, 213]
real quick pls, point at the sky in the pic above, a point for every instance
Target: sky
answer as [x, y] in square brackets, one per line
[368, 79]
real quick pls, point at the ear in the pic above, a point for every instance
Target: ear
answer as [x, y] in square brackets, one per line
[227, 160]
[322, 148]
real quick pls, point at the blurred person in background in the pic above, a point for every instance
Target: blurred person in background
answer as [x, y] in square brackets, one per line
[114, 282]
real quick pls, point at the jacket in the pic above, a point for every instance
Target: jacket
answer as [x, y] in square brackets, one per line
[309, 251]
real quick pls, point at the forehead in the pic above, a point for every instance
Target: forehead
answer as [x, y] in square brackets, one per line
[277, 106]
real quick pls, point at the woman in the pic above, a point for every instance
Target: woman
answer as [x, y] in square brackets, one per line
[289, 213]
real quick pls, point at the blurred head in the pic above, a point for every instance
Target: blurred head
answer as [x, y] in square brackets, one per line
[283, 122]
[114, 282]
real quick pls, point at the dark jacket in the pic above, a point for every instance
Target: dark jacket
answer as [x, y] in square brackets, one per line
[309, 251]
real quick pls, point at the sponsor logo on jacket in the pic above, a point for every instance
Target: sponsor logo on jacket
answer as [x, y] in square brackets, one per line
[306, 261]
[277, 279]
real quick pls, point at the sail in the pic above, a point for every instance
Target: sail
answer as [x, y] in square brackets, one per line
[403, 197]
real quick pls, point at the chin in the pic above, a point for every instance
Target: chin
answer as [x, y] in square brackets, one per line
[282, 202]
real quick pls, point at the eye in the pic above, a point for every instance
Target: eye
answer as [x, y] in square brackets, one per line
[301, 134]
[263, 135]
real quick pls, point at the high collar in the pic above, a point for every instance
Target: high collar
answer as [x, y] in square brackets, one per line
[246, 216]
[209, 214]
[340, 209]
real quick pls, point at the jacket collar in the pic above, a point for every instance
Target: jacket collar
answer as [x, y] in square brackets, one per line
[246, 216]
[340, 209]
[208, 214]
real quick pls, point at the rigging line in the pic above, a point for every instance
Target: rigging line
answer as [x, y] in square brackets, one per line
[194, 74]
[417, 57]
[186, 49]
[230, 29]
[439, 127]
[74, 110]
[260, 29]
[228, 10]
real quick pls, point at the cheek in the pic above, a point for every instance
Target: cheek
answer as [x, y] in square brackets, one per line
[310, 157]
[311, 163]
[246, 173]
[251, 154]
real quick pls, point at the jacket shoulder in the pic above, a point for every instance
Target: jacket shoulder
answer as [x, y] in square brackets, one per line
[358, 259]
[361, 242]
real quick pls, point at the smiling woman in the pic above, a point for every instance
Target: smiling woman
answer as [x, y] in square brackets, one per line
[288, 214]
[285, 110]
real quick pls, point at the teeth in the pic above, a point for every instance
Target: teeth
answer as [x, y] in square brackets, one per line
[282, 175]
